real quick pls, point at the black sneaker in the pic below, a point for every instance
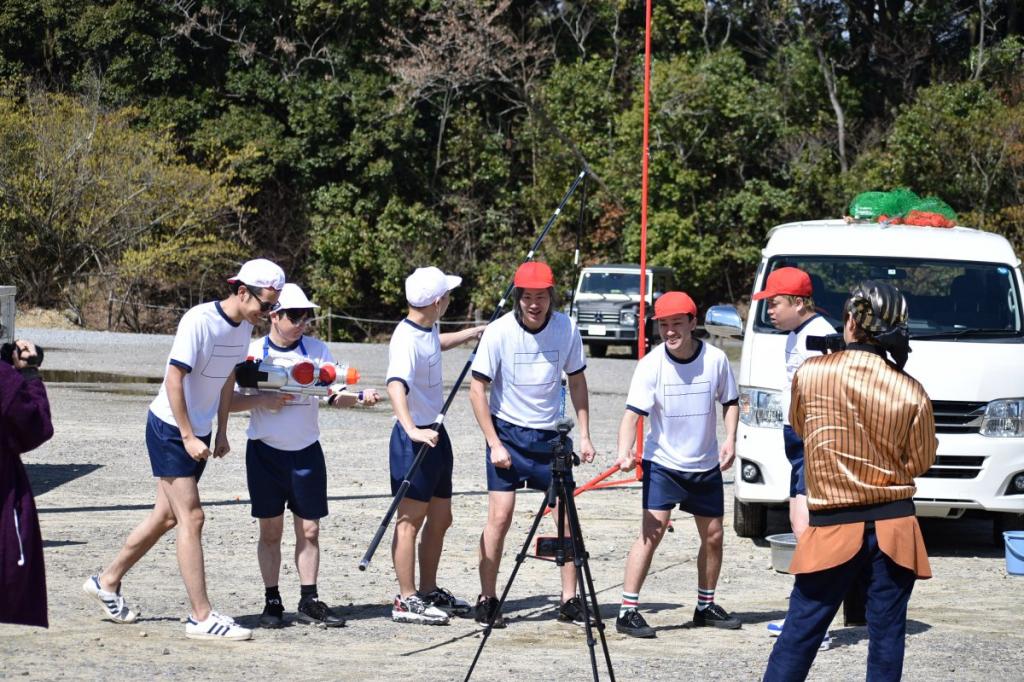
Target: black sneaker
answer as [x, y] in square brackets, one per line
[441, 598]
[714, 616]
[633, 624]
[571, 611]
[273, 615]
[486, 607]
[315, 612]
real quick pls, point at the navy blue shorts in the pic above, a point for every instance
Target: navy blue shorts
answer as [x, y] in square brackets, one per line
[297, 478]
[167, 454]
[433, 478]
[530, 468]
[795, 455]
[696, 492]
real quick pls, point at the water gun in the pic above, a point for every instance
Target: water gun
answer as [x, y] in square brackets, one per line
[303, 377]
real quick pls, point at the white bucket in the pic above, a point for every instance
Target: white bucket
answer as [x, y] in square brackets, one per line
[783, 546]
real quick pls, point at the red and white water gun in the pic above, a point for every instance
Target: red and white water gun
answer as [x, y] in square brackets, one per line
[303, 377]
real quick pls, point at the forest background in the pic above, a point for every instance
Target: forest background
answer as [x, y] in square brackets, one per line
[149, 146]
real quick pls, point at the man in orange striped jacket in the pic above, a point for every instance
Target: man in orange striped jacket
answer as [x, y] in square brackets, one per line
[868, 430]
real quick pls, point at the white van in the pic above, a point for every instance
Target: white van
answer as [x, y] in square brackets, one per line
[964, 293]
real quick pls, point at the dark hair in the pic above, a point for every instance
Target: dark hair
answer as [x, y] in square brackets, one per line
[517, 295]
[257, 291]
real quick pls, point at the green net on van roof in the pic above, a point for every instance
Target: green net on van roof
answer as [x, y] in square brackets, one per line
[901, 205]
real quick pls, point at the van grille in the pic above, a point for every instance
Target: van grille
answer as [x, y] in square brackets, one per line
[955, 466]
[953, 416]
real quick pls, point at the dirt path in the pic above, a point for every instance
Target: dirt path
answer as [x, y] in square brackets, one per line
[93, 484]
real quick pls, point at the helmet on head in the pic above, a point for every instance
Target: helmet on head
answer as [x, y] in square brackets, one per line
[881, 310]
[877, 307]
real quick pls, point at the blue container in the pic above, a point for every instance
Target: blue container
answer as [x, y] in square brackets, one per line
[1014, 551]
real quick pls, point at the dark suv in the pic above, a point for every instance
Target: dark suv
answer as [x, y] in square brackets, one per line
[607, 303]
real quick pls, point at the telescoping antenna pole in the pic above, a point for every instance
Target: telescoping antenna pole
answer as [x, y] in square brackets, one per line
[421, 453]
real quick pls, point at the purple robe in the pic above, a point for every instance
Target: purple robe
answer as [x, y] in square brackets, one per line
[24, 425]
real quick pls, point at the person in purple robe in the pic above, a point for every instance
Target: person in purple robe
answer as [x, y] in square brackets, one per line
[24, 426]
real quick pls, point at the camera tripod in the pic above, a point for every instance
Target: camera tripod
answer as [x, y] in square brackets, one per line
[560, 491]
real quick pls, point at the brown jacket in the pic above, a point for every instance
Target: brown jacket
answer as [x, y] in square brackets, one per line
[868, 431]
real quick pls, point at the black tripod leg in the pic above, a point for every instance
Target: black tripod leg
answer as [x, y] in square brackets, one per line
[520, 558]
[584, 580]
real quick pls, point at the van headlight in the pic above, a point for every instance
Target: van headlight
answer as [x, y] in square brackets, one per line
[1003, 419]
[627, 318]
[761, 408]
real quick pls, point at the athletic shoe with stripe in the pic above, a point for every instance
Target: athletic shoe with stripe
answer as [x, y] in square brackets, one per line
[114, 606]
[446, 601]
[775, 629]
[216, 627]
[412, 609]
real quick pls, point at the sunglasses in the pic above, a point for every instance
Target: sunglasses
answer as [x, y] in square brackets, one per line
[265, 306]
[299, 315]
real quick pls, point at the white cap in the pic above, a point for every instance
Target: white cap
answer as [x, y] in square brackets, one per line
[260, 273]
[426, 285]
[292, 297]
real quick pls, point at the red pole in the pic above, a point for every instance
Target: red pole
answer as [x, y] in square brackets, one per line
[642, 336]
[599, 481]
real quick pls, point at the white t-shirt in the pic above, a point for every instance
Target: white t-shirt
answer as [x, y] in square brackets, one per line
[295, 426]
[525, 368]
[207, 346]
[796, 353]
[680, 398]
[414, 358]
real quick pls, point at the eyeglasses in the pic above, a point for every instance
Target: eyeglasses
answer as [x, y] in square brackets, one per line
[265, 306]
[299, 315]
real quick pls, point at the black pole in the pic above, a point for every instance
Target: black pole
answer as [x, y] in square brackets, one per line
[576, 256]
[422, 452]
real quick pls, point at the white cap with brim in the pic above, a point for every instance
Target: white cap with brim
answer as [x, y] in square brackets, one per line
[426, 285]
[292, 297]
[260, 273]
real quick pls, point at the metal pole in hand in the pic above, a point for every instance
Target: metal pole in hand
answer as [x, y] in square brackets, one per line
[422, 452]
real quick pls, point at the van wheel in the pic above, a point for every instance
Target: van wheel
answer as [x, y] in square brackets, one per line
[749, 520]
[597, 350]
[1005, 521]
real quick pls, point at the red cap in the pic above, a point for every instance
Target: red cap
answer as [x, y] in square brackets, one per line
[534, 275]
[674, 303]
[786, 282]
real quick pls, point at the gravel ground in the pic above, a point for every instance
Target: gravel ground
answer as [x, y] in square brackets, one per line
[93, 484]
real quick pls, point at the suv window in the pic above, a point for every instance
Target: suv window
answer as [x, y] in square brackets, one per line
[610, 283]
[966, 300]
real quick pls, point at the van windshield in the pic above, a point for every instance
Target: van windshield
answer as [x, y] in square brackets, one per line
[953, 300]
[612, 283]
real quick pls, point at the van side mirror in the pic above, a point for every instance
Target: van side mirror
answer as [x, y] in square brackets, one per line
[725, 321]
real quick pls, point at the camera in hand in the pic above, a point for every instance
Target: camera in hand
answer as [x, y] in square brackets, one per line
[830, 343]
[8, 350]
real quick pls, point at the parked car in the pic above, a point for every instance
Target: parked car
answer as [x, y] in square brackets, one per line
[966, 300]
[607, 303]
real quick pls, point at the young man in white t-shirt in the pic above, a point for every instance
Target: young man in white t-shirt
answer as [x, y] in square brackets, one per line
[521, 359]
[791, 308]
[415, 387]
[211, 339]
[676, 387]
[284, 462]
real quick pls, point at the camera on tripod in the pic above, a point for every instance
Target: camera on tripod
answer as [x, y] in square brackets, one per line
[830, 343]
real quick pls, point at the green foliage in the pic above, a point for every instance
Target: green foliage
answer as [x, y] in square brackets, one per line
[80, 190]
[354, 140]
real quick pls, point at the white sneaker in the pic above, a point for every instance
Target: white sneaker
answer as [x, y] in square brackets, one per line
[775, 628]
[216, 626]
[415, 610]
[114, 606]
[826, 643]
